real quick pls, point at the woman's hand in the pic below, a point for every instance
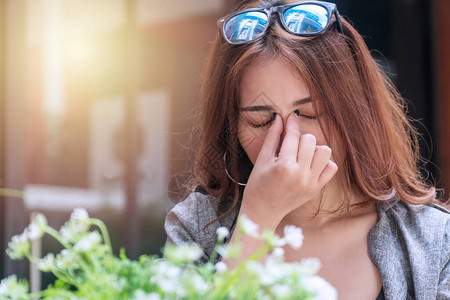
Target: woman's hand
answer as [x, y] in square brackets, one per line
[280, 184]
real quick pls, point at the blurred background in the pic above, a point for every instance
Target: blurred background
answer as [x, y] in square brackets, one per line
[97, 99]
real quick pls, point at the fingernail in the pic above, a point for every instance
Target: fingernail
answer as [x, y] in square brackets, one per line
[297, 112]
[274, 116]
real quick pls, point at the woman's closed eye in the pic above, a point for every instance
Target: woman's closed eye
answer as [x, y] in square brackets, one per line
[261, 125]
[308, 116]
[305, 115]
[301, 115]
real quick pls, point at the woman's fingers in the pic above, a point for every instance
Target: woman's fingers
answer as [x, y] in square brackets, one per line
[322, 167]
[322, 155]
[327, 173]
[271, 141]
[314, 159]
[306, 149]
[289, 147]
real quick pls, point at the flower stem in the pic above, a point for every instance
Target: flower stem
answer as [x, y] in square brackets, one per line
[104, 231]
[221, 291]
[55, 234]
[12, 193]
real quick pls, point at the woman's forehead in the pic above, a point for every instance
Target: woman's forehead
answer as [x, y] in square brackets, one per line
[270, 83]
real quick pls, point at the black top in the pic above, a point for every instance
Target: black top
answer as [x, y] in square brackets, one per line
[380, 295]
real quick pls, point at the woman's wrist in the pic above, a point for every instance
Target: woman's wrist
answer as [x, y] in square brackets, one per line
[264, 219]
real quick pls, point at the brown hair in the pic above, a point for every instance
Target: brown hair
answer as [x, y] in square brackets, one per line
[360, 105]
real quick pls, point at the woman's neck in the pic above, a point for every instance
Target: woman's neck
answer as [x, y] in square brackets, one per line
[330, 211]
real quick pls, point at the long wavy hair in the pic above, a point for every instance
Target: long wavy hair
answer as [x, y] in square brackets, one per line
[360, 105]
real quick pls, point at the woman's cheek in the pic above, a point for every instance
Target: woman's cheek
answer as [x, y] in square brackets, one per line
[252, 141]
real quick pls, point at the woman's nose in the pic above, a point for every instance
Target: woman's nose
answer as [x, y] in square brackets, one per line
[285, 118]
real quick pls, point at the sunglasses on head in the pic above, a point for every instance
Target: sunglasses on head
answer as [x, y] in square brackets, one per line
[306, 18]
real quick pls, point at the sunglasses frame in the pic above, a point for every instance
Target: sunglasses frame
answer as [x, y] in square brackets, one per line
[330, 7]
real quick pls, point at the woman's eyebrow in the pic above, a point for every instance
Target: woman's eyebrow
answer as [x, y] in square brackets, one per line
[301, 101]
[269, 107]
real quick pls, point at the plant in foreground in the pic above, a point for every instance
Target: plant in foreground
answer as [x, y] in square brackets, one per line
[87, 268]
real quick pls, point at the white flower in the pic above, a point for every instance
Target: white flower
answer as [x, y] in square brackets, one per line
[188, 252]
[33, 232]
[273, 239]
[278, 253]
[79, 214]
[78, 223]
[68, 232]
[322, 289]
[153, 296]
[168, 286]
[88, 242]
[267, 278]
[229, 251]
[198, 283]
[19, 246]
[192, 252]
[222, 250]
[280, 291]
[41, 221]
[6, 284]
[11, 288]
[293, 236]
[275, 270]
[222, 233]
[65, 259]
[121, 282]
[269, 272]
[167, 277]
[248, 227]
[221, 267]
[141, 295]
[45, 264]
[36, 229]
[278, 242]
[72, 229]
[311, 265]
[262, 295]
[19, 238]
[72, 297]
[256, 268]
[171, 272]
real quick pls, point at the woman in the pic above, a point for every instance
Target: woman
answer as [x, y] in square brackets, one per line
[300, 126]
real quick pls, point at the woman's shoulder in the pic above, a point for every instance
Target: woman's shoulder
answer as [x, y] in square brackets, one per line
[197, 205]
[201, 208]
[426, 223]
[187, 221]
[410, 245]
[425, 217]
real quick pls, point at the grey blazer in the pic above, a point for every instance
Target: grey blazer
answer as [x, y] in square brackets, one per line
[410, 244]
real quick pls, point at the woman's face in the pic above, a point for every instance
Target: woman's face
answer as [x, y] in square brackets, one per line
[272, 87]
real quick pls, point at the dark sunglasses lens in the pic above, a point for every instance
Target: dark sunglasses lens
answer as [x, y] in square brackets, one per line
[245, 27]
[306, 18]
